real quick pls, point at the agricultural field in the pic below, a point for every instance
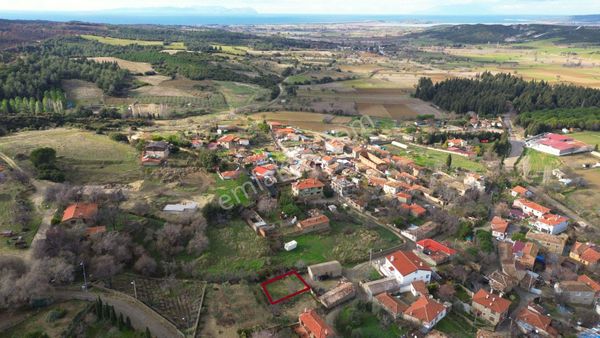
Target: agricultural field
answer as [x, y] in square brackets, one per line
[125, 42]
[52, 320]
[589, 137]
[82, 92]
[234, 191]
[305, 120]
[177, 300]
[233, 50]
[437, 159]
[85, 157]
[539, 161]
[456, 326]
[241, 94]
[134, 67]
[284, 287]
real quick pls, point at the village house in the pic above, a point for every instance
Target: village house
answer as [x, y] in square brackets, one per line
[434, 252]
[314, 224]
[501, 281]
[325, 270]
[525, 254]
[490, 307]
[417, 233]
[334, 146]
[474, 181]
[258, 159]
[263, 171]
[342, 186]
[157, 149]
[587, 254]
[575, 292]
[520, 191]
[403, 197]
[372, 161]
[591, 283]
[80, 214]
[530, 208]
[392, 187]
[310, 187]
[229, 175]
[457, 143]
[551, 224]
[314, 325]
[532, 319]
[552, 243]
[341, 293]
[499, 228]
[406, 267]
[425, 311]
[390, 304]
[414, 209]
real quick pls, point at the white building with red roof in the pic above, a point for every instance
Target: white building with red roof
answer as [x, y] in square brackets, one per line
[425, 311]
[551, 224]
[530, 208]
[314, 325]
[556, 144]
[520, 191]
[490, 307]
[308, 187]
[334, 146]
[406, 267]
[499, 227]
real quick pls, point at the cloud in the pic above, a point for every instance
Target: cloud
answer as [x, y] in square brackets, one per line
[447, 7]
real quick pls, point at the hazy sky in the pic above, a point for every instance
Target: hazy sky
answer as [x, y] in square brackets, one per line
[448, 7]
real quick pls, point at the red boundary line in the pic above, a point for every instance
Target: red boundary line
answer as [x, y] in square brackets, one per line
[274, 279]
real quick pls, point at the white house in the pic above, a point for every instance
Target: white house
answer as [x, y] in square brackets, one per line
[551, 224]
[520, 191]
[499, 228]
[406, 267]
[530, 208]
[392, 187]
[475, 181]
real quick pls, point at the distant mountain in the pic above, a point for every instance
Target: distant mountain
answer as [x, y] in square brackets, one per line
[594, 18]
[180, 11]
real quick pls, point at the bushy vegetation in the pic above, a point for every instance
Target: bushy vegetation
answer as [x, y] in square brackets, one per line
[495, 94]
[44, 160]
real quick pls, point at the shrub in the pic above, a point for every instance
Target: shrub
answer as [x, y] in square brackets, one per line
[55, 315]
[119, 137]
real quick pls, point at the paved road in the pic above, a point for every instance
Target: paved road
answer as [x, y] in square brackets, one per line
[141, 316]
[517, 144]
[559, 206]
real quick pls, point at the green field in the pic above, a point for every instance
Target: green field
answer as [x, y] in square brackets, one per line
[539, 161]
[241, 94]
[84, 156]
[456, 326]
[38, 321]
[125, 42]
[437, 159]
[368, 326]
[234, 191]
[233, 50]
[284, 287]
[589, 137]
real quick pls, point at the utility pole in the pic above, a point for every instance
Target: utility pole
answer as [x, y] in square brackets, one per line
[134, 289]
[370, 256]
[84, 276]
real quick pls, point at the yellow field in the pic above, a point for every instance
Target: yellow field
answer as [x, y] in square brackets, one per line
[134, 67]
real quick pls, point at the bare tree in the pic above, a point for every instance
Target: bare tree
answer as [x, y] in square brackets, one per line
[502, 209]
[145, 265]
[198, 244]
[105, 266]
[169, 239]
[446, 292]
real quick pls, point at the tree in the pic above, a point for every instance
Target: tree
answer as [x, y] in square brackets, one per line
[145, 265]
[449, 161]
[446, 292]
[148, 334]
[208, 159]
[198, 244]
[43, 157]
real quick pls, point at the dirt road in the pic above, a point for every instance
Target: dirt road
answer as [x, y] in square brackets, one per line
[141, 316]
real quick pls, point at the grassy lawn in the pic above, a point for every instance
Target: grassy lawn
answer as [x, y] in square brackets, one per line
[39, 322]
[240, 94]
[284, 287]
[233, 50]
[236, 191]
[234, 248]
[432, 159]
[455, 326]
[589, 137]
[125, 42]
[9, 191]
[339, 244]
[84, 156]
[538, 161]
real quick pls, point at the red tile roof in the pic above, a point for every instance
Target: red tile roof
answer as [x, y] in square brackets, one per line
[308, 183]
[536, 320]
[420, 287]
[591, 255]
[490, 301]
[314, 221]
[520, 190]
[227, 139]
[435, 246]
[425, 309]
[255, 158]
[262, 170]
[499, 224]
[552, 220]
[407, 262]
[95, 230]
[80, 211]
[589, 282]
[230, 174]
[533, 205]
[315, 324]
[391, 303]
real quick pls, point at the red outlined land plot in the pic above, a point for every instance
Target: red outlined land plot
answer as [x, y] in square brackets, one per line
[284, 287]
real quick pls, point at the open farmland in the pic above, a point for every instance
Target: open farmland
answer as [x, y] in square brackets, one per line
[589, 137]
[134, 67]
[125, 42]
[82, 91]
[304, 120]
[437, 159]
[85, 156]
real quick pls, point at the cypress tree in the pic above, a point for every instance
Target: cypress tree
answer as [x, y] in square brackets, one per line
[148, 335]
